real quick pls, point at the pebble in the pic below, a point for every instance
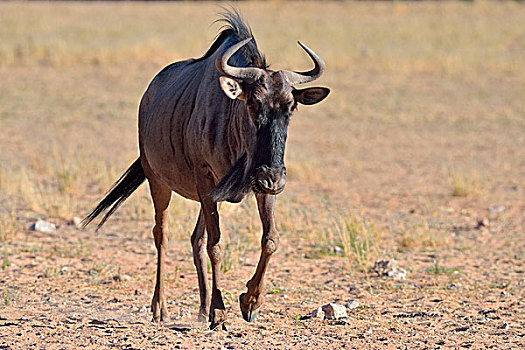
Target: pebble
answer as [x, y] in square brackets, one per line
[483, 222]
[330, 311]
[504, 326]
[389, 268]
[43, 226]
[454, 285]
[121, 278]
[334, 311]
[318, 313]
[184, 313]
[76, 221]
[352, 304]
[143, 309]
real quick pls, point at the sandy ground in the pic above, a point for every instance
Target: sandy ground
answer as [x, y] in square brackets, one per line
[83, 289]
[423, 134]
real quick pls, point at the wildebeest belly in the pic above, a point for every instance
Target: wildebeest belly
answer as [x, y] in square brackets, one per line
[161, 140]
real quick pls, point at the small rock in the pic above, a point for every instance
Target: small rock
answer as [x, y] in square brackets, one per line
[334, 311]
[381, 267]
[121, 278]
[77, 222]
[318, 313]
[51, 300]
[43, 226]
[63, 270]
[484, 222]
[353, 304]
[338, 250]
[454, 285]
[138, 292]
[496, 209]
[389, 268]
[503, 294]
[398, 273]
[504, 326]
[184, 313]
[143, 309]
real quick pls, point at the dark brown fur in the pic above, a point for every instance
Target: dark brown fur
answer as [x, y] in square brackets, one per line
[199, 143]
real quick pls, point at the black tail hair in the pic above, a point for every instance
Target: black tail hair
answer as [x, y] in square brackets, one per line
[119, 192]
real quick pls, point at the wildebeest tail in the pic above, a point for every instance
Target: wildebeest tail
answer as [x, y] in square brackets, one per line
[121, 190]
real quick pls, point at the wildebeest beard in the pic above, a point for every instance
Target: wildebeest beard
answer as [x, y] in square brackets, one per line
[236, 184]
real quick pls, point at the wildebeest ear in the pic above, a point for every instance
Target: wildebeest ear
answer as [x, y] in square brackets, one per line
[310, 96]
[231, 88]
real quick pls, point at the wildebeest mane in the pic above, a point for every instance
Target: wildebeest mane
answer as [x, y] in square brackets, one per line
[234, 27]
[236, 183]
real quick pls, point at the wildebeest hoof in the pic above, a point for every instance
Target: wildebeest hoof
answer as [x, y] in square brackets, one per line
[160, 312]
[163, 317]
[248, 309]
[225, 326]
[251, 316]
[202, 318]
[160, 319]
[217, 318]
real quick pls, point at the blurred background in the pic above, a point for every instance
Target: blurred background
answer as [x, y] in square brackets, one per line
[418, 154]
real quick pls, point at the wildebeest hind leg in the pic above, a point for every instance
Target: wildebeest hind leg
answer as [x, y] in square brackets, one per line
[198, 243]
[161, 195]
[251, 301]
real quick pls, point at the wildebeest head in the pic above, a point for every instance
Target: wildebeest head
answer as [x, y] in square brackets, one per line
[270, 98]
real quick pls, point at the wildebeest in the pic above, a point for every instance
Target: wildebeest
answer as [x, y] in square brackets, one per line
[214, 129]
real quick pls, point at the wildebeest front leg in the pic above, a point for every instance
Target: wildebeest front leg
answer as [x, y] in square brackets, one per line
[251, 301]
[198, 243]
[214, 246]
[161, 199]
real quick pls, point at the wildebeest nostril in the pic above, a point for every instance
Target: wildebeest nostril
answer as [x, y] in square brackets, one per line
[265, 184]
[271, 180]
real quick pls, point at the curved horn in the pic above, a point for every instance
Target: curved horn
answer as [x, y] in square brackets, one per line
[304, 77]
[248, 74]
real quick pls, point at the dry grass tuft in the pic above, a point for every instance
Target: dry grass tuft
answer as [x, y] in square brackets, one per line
[423, 236]
[9, 226]
[360, 240]
[467, 185]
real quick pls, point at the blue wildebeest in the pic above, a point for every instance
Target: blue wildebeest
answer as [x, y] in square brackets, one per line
[214, 129]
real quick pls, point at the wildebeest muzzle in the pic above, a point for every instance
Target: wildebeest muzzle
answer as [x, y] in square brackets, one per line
[270, 180]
